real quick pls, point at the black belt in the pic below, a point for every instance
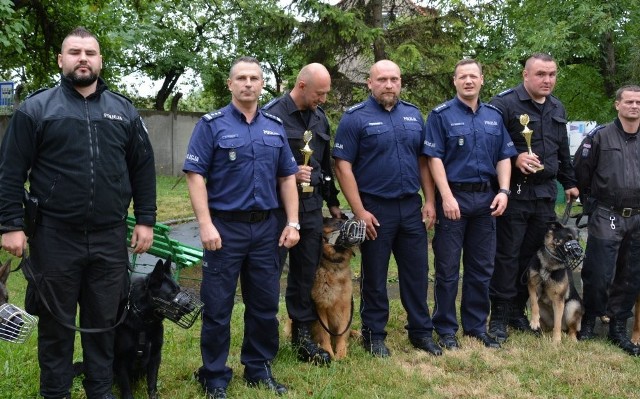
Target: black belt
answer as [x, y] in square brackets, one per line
[241, 216]
[472, 187]
[58, 224]
[624, 212]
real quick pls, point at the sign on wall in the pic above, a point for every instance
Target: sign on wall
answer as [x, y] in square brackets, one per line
[6, 97]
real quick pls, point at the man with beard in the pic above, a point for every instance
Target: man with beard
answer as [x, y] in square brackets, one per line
[301, 113]
[380, 170]
[86, 154]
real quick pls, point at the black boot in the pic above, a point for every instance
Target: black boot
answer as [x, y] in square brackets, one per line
[587, 329]
[308, 351]
[618, 336]
[498, 320]
[518, 319]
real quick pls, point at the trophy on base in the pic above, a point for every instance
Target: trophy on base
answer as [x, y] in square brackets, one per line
[306, 152]
[527, 133]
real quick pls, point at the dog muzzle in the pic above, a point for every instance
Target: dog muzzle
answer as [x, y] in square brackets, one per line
[352, 232]
[16, 325]
[183, 310]
[571, 254]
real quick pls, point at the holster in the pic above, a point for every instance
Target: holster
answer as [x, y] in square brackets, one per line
[30, 213]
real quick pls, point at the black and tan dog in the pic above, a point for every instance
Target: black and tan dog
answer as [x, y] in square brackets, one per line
[139, 339]
[555, 302]
[332, 291]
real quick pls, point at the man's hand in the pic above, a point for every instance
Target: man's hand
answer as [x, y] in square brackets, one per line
[14, 242]
[210, 237]
[371, 223]
[141, 238]
[528, 163]
[289, 237]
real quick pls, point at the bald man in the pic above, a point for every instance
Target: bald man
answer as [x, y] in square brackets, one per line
[300, 112]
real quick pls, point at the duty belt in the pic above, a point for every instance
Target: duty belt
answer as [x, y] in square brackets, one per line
[624, 212]
[241, 216]
[471, 187]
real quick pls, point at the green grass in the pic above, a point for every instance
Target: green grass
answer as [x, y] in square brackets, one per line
[526, 367]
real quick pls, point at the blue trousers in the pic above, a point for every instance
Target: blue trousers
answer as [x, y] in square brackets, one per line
[474, 237]
[402, 233]
[249, 252]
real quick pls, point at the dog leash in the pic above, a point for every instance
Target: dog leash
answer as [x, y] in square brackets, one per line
[25, 264]
[328, 330]
[567, 213]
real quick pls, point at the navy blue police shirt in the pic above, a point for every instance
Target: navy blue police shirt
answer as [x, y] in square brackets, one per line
[470, 144]
[382, 146]
[240, 161]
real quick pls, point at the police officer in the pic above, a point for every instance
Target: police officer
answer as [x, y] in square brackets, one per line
[608, 170]
[86, 153]
[521, 229]
[469, 154]
[380, 170]
[300, 112]
[236, 159]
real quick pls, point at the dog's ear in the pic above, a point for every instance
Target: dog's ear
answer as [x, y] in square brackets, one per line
[166, 268]
[156, 274]
[4, 272]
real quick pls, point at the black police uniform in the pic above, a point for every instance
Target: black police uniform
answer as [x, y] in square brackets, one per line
[85, 159]
[607, 166]
[521, 229]
[305, 256]
[241, 163]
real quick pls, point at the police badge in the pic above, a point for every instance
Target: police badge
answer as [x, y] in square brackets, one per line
[232, 154]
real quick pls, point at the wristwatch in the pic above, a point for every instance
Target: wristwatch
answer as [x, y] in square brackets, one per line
[505, 191]
[294, 225]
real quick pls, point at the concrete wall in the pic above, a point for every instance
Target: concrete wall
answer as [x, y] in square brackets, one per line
[169, 133]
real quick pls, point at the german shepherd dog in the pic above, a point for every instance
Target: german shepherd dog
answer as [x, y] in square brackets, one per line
[16, 325]
[139, 339]
[555, 302]
[332, 290]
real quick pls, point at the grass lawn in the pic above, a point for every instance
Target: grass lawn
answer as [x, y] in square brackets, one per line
[526, 367]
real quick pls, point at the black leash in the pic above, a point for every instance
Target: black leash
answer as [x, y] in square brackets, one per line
[328, 330]
[25, 264]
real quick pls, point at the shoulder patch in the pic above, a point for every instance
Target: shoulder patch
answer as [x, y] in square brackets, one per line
[493, 107]
[595, 130]
[409, 104]
[270, 103]
[212, 115]
[35, 93]
[355, 107]
[504, 93]
[271, 116]
[440, 107]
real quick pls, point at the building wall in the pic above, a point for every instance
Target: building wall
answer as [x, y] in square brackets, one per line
[169, 133]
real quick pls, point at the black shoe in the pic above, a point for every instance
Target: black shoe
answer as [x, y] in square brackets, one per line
[618, 336]
[500, 311]
[426, 344]
[486, 340]
[377, 348]
[308, 351]
[520, 323]
[268, 383]
[587, 330]
[449, 341]
[217, 393]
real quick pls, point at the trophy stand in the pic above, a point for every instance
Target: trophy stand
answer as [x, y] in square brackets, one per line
[306, 152]
[527, 133]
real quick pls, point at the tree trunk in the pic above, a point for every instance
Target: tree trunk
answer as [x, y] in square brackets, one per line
[379, 52]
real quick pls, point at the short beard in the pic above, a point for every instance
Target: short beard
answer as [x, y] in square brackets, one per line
[82, 81]
[386, 102]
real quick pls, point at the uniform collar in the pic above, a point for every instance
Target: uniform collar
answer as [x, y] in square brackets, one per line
[377, 104]
[459, 104]
[65, 82]
[240, 116]
[291, 107]
[523, 95]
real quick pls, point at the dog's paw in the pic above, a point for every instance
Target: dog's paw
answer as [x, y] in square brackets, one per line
[535, 324]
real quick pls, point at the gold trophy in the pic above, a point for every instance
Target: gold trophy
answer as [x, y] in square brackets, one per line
[527, 133]
[306, 152]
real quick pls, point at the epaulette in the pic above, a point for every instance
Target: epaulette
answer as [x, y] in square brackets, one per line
[493, 107]
[504, 93]
[319, 108]
[213, 115]
[440, 107]
[37, 92]
[121, 95]
[270, 103]
[409, 104]
[272, 116]
[595, 130]
[355, 107]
